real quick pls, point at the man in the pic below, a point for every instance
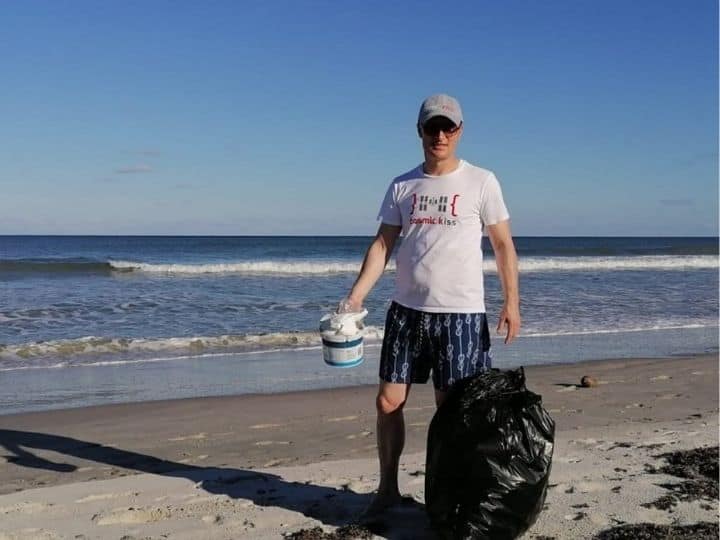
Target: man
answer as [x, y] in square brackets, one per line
[437, 320]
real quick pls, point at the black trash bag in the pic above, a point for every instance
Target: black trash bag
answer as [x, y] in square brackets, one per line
[489, 453]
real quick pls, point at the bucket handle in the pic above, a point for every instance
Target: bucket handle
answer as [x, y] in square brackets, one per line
[337, 319]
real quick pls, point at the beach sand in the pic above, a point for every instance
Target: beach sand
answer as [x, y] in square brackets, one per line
[273, 465]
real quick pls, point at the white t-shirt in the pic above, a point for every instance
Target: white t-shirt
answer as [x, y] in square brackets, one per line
[439, 261]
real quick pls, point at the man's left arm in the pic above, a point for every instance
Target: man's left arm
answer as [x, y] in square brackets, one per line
[507, 266]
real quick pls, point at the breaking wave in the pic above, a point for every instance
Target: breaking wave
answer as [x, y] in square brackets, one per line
[530, 264]
[245, 267]
[74, 350]
[319, 267]
[102, 351]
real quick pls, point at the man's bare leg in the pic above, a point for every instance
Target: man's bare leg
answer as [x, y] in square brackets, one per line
[390, 401]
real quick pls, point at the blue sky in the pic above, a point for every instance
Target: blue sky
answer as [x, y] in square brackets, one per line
[290, 117]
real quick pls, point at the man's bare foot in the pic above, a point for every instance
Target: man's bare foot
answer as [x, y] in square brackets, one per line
[379, 504]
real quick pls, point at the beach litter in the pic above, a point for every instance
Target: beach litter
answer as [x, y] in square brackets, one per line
[489, 454]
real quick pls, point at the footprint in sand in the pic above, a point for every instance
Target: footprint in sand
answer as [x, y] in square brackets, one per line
[105, 496]
[197, 436]
[133, 515]
[276, 462]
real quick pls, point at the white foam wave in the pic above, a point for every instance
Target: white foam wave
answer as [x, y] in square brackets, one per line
[99, 351]
[93, 346]
[248, 267]
[650, 328]
[527, 265]
[646, 262]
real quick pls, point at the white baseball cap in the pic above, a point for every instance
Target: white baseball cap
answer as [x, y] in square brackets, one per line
[440, 105]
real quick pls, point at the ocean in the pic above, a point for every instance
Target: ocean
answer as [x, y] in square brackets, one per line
[102, 319]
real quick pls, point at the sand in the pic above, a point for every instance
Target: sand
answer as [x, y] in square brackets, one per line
[268, 466]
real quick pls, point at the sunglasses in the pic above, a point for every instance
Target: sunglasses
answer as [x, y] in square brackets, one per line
[433, 128]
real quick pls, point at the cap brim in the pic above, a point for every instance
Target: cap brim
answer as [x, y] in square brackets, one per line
[432, 115]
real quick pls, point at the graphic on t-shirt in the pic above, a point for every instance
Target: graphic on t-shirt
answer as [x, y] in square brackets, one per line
[452, 205]
[440, 260]
[434, 203]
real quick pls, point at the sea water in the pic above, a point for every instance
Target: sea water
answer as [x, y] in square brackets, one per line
[93, 319]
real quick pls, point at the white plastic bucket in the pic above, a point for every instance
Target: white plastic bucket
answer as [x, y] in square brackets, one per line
[342, 338]
[342, 351]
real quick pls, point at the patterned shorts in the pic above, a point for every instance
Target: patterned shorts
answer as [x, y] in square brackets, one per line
[451, 345]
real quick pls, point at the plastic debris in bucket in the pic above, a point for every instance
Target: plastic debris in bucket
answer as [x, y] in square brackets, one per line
[342, 338]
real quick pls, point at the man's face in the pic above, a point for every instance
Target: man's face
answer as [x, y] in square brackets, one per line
[440, 137]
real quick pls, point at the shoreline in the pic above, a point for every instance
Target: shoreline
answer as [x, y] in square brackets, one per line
[273, 372]
[590, 365]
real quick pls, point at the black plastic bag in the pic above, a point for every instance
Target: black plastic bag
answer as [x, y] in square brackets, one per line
[489, 453]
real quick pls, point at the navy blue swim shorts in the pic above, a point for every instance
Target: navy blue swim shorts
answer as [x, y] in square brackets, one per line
[451, 345]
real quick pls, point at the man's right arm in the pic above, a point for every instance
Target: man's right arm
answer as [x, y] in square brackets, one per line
[374, 264]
